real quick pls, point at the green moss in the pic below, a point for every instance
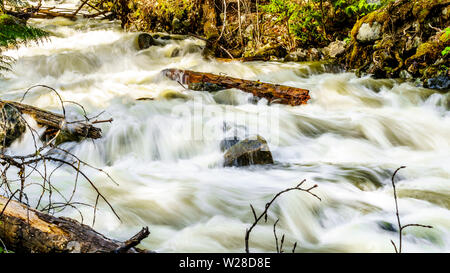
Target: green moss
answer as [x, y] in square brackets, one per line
[380, 16]
[428, 49]
[446, 51]
[13, 32]
[445, 37]
[175, 8]
[422, 8]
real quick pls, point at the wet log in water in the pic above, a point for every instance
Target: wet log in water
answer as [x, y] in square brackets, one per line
[23, 229]
[211, 82]
[55, 122]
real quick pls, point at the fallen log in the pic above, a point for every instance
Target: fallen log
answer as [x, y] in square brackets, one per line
[48, 14]
[211, 82]
[23, 229]
[56, 122]
[52, 12]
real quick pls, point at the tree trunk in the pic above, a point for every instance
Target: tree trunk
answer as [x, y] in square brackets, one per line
[55, 122]
[23, 229]
[211, 82]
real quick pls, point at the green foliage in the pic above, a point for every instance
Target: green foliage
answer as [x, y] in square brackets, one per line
[444, 38]
[446, 51]
[2, 250]
[14, 32]
[168, 7]
[303, 20]
[359, 8]
[310, 20]
[446, 35]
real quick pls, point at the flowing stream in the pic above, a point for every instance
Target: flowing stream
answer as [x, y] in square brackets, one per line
[164, 152]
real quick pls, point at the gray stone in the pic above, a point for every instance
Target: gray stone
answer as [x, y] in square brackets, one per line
[248, 152]
[335, 49]
[441, 82]
[145, 40]
[368, 33]
[314, 54]
[300, 55]
[405, 75]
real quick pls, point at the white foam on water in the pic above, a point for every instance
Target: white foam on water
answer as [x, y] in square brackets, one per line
[165, 156]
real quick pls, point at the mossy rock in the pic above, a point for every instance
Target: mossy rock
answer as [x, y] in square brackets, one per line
[266, 52]
[12, 125]
[402, 36]
[249, 151]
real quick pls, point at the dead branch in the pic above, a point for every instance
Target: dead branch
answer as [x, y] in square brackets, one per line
[50, 152]
[24, 233]
[56, 121]
[24, 229]
[400, 227]
[264, 213]
[133, 241]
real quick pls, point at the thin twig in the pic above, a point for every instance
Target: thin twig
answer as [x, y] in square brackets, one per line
[400, 227]
[267, 206]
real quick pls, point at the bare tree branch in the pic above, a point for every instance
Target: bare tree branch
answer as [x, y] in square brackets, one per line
[267, 206]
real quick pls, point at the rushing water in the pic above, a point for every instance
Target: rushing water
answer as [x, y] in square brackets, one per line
[164, 153]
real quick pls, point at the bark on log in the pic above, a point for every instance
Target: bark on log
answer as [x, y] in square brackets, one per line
[23, 229]
[46, 14]
[211, 82]
[55, 122]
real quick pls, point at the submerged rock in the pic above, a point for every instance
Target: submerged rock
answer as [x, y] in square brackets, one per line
[386, 226]
[145, 40]
[12, 125]
[248, 152]
[169, 94]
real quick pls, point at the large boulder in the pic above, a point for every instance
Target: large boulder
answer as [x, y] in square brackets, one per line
[248, 152]
[12, 125]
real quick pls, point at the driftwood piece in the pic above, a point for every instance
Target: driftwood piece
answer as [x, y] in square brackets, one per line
[52, 12]
[211, 82]
[23, 229]
[55, 122]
